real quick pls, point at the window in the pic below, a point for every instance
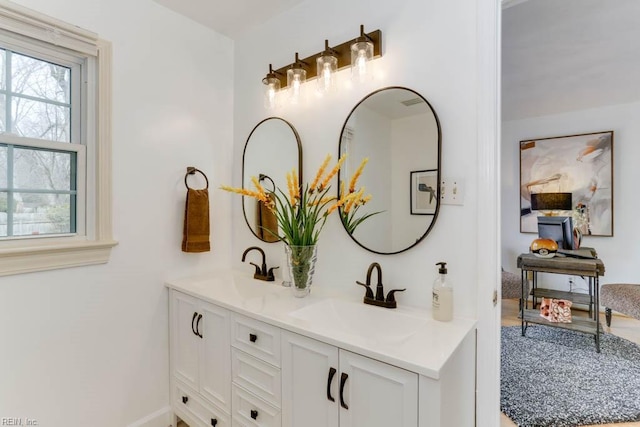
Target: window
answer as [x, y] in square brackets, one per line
[55, 199]
[40, 146]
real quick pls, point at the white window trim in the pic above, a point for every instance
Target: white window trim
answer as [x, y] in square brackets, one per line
[30, 255]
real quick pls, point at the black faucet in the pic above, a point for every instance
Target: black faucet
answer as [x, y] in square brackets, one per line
[379, 299]
[261, 272]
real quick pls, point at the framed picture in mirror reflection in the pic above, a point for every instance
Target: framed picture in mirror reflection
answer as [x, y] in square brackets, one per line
[424, 191]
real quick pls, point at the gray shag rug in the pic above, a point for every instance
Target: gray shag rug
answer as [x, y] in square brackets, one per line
[554, 377]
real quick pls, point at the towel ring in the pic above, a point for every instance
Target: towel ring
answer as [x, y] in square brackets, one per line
[262, 177]
[191, 171]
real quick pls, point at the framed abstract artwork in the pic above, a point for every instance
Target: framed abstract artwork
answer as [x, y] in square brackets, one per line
[579, 167]
[424, 192]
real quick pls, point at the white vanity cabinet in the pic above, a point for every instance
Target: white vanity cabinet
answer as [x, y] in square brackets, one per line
[255, 360]
[310, 379]
[377, 394]
[200, 360]
[244, 357]
[323, 386]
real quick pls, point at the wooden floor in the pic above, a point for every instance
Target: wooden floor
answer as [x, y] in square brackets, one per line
[624, 327]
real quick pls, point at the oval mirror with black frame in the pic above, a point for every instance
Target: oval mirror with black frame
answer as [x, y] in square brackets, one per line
[398, 130]
[272, 149]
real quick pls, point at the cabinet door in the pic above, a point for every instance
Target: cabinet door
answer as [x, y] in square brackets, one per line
[306, 384]
[184, 341]
[377, 394]
[215, 355]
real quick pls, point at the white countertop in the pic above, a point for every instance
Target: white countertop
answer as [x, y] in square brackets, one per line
[424, 349]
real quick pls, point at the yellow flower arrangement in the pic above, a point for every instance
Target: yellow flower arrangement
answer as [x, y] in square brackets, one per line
[349, 213]
[302, 213]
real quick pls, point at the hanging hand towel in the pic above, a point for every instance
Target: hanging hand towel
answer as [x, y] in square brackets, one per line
[196, 219]
[267, 223]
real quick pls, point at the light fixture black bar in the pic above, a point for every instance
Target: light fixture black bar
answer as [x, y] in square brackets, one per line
[341, 51]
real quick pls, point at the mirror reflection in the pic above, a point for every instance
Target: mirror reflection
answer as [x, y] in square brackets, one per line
[272, 149]
[399, 132]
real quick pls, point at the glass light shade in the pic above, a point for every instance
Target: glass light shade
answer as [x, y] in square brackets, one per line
[295, 78]
[361, 55]
[327, 68]
[271, 88]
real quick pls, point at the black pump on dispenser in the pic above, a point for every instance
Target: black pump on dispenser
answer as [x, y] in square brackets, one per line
[442, 303]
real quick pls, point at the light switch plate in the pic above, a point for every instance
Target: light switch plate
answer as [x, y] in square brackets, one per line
[452, 191]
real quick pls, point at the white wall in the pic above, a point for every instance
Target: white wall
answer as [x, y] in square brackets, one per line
[89, 346]
[620, 253]
[429, 46]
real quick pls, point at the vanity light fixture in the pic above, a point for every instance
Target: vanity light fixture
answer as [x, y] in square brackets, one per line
[296, 76]
[355, 53]
[361, 55]
[327, 67]
[271, 87]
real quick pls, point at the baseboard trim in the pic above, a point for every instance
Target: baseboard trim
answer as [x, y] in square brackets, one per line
[161, 418]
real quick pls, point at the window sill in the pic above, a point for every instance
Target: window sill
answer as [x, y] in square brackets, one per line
[28, 259]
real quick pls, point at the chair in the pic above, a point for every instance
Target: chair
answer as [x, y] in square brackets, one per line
[621, 297]
[512, 286]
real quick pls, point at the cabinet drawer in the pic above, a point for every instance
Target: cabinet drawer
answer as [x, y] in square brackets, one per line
[256, 338]
[260, 378]
[207, 414]
[251, 411]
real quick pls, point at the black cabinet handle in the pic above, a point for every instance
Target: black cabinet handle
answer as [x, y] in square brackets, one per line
[214, 422]
[332, 372]
[185, 399]
[253, 337]
[343, 381]
[198, 326]
[254, 414]
[193, 320]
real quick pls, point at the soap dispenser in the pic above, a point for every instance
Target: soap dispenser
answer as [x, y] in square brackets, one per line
[442, 302]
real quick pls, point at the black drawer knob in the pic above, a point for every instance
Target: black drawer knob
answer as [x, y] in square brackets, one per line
[254, 414]
[214, 422]
[253, 337]
[185, 399]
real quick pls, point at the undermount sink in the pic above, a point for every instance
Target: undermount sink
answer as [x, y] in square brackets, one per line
[244, 287]
[371, 322]
[252, 288]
